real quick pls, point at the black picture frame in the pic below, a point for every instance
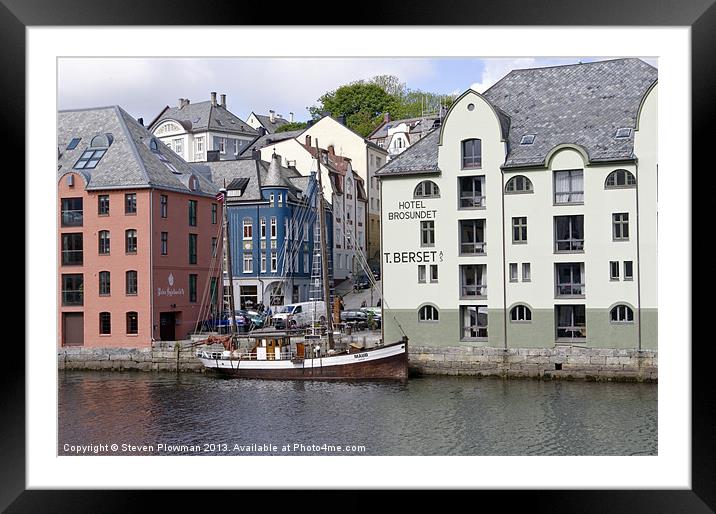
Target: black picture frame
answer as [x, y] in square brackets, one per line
[699, 15]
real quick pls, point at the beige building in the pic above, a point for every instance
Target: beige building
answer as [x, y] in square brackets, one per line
[529, 218]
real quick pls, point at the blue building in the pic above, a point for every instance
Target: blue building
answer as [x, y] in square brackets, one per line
[272, 226]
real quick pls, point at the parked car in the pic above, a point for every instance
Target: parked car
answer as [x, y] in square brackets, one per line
[361, 283]
[354, 315]
[373, 314]
[376, 273]
[297, 315]
[256, 319]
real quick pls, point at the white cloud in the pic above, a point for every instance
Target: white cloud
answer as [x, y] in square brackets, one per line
[143, 86]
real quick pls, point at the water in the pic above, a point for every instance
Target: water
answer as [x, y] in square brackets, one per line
[426, 416]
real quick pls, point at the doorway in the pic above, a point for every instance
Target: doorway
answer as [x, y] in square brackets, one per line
[73, 331]
[167, 325]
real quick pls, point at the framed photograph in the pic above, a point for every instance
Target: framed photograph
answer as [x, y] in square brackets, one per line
[75, 67]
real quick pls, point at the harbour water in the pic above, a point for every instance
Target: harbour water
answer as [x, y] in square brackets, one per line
[196, 414]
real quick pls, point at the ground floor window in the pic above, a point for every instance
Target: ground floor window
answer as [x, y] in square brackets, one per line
[132, 323]
[520, 313]
[428, 313]
[474, 321]
[571, 322]
[621, 314]
[249, 297]
[105, 323]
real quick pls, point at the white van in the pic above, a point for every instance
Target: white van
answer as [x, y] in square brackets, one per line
[297, 315]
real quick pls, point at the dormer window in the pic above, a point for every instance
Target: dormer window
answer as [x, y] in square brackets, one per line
[101, 141]
[527, 139]
[89, 159]
[623, 133]
[154, 146]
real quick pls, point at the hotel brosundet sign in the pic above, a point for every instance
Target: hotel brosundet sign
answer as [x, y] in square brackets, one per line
[170, 291]
[412, 210]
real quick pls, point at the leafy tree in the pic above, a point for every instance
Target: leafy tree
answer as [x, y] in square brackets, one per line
[293, 125]
[363, 103]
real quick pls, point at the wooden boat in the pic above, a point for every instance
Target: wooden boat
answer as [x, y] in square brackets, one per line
[287, 355]
[297, 355]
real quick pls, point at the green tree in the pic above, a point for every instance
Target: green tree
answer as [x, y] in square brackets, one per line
[293, 125]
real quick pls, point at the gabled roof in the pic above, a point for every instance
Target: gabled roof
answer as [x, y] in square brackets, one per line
[421, 157]
[248, 174]
[414, 125]
[266, 123]
[579, 104]
[203, 116]
[268, 139]
[128, 162]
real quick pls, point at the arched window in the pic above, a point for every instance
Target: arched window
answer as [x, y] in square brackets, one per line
[101, 141]
[426, 189]
[520, 313]
[103, 238]
[519, 184]
[132, 323]
[472, 153]
[428, 313]
[622, 314]
[131, 241]
[620, 178]
[105, 323]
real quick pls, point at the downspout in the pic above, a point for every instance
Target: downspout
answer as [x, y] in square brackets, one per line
[504, 258]
[151, 264]
[638, 262]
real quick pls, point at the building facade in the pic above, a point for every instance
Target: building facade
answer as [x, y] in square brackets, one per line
[134, 246]
[270, 123]
[396, 136]
[194, 130]
[514, 225]
[273, 224]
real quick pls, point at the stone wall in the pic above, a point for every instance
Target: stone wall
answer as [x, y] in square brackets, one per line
[562, 362]
[166, 357]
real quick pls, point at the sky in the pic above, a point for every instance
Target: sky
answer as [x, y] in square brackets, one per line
[144, 86]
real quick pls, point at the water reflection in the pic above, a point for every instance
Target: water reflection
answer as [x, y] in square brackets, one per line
[426, 416]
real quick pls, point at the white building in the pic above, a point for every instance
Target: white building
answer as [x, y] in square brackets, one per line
[269, 123]
[195, 130]
[396, 136]
[528, 219]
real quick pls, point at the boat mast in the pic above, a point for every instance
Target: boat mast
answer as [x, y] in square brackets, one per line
[227, 266]
[324, 260]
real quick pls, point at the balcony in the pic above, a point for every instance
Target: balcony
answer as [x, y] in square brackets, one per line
[72, 218]
[473, 291]
[72, 297]
[570, 245]
[72, 257]
[471, 201]
[477, 248]
[570, 290]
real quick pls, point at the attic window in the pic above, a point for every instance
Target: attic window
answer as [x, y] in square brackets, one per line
[623, 133]
[89, 159]
[527, 139]
[73, 144]
[101, 141]
[167, 163]
[154, 146]
[218, 122]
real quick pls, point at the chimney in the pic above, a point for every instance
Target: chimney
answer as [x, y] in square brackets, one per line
[261, 131]
[331, 150]
[386, 117]
[272, 116]
[212, 155]
[213, 98]
[308, 140]
[223, 101]
[342, 119]
[255, 154]
[141, 121]
[291, 115]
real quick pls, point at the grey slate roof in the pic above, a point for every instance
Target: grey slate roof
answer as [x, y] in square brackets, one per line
[415, 125]
[421, 157]
[266, 122]
[268, 139]
[128, 162]
[203, 116]
[581, 104]
[254, 171]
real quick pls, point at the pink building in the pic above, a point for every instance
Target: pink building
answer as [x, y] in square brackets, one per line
[139, 240]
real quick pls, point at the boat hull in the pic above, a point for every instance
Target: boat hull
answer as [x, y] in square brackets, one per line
[385, 363]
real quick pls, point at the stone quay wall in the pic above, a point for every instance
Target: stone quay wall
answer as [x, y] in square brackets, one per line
[167, 357]
[561, 362]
